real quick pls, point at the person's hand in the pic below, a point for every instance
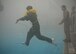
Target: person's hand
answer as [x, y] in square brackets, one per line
[17, 21]
[60, 23]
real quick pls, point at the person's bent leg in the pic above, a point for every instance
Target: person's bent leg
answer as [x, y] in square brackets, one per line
[29, 36]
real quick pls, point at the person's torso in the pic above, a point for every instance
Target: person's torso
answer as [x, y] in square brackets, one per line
[66, 17]
[32, 16]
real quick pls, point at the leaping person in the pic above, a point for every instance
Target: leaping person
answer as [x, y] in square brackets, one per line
[35, 29]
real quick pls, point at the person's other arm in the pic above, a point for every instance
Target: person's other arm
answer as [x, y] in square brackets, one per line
[22, 18]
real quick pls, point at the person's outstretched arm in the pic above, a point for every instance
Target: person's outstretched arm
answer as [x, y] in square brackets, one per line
[61, 21]
[22, 19]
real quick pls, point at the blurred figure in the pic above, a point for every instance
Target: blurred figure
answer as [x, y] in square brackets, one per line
[1, 6]
[66, 21]
[35, 29]
[73, 27]
[73, 20]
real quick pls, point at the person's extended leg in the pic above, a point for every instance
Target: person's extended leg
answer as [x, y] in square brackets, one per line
[29, 36]
[41, 37]
[44, 38]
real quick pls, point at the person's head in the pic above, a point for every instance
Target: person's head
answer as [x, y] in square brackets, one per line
[29, 7]
[63, 7]
[73, 8]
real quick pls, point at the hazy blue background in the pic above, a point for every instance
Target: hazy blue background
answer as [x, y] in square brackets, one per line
[49, 15]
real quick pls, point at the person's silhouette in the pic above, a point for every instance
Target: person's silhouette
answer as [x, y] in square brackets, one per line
[35, 30]
[66, 21]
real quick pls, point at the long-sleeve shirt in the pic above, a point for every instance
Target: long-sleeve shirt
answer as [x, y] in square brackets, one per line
[31, 16]
[66, 18]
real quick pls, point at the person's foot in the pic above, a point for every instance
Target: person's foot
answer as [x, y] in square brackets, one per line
[53, 42]
[23, 44]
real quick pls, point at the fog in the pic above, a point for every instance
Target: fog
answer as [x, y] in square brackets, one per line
[49, 11]
[49, 15]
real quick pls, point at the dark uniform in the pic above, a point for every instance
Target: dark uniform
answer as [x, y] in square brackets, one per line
[66, 21]
[35, 29]
[67, 24]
